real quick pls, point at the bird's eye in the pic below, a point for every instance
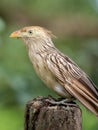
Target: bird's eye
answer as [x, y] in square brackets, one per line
[30, 32]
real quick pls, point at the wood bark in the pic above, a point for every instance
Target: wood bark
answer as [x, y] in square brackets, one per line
[50, 114]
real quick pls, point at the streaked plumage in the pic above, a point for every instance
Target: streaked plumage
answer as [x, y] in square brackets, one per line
[57, 70]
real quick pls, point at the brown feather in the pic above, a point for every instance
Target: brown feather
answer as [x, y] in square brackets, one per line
[58, 71]
[74, 80]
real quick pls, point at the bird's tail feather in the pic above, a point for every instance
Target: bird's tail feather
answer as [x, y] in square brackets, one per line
[89, 102]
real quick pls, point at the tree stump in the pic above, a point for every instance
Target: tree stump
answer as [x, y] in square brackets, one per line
[44, 114]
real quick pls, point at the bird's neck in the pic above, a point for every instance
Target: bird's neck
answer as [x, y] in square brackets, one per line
[41, 45]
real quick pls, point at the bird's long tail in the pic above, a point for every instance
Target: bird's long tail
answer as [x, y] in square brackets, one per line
[84, 96]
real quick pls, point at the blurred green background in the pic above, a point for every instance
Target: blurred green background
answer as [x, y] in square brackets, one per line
[74, 22]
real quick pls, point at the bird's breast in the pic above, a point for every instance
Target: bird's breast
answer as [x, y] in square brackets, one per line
[41, 69]
[46, 76]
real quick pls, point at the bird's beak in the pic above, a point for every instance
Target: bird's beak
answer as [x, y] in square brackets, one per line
[15, 34]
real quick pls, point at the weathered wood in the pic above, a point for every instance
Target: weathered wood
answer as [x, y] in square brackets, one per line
[43, 114]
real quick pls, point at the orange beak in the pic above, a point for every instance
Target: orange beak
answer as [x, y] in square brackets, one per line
[15, 34]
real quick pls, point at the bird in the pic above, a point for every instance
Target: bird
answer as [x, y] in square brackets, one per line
[57, 70]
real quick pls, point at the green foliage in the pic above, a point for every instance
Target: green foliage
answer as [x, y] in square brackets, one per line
[11, 118]
[18, 81]
[2, 25]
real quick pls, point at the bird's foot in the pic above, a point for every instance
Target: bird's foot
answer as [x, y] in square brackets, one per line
[60, 101]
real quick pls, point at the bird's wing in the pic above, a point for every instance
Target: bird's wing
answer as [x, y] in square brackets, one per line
[74, 80]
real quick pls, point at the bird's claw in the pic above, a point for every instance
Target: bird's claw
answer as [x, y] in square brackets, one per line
[59, 102]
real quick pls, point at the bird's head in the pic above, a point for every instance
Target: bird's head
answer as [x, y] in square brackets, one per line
[34, 32]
